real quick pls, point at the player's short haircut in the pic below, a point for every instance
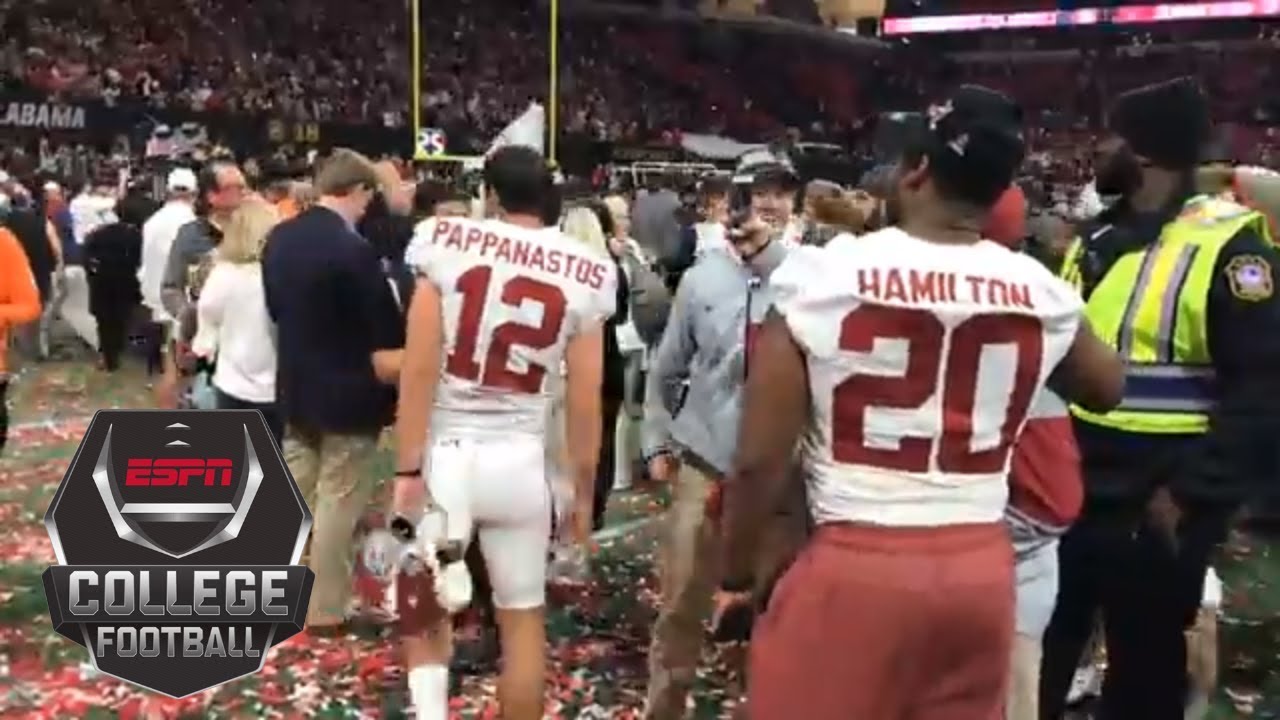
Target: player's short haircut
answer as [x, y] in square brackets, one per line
[974, 145]
[519, 178]
[344, 172]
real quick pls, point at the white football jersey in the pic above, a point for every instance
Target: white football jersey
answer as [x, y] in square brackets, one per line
[512, 299]
[923, 361]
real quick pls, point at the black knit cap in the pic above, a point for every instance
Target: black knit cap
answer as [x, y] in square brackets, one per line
[1167, 123]
[975, 142]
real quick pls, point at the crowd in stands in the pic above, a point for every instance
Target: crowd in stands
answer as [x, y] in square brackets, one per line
[622, 77]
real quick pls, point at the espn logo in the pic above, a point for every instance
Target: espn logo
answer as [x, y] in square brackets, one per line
[209, 472]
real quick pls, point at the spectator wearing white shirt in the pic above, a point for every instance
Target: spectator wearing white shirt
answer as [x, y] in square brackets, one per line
[90, 210]
[234, 331]
[158, 234]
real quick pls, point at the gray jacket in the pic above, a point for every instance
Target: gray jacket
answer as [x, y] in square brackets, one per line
[192, 244]
[654, 225]
[704, 343]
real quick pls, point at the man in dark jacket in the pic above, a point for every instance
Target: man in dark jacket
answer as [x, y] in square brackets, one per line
[28, 224]
[111, 255]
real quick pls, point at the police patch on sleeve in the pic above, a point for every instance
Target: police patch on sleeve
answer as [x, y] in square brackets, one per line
[1250, 278]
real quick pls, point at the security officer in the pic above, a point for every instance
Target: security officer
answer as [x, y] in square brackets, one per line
[1183, 286]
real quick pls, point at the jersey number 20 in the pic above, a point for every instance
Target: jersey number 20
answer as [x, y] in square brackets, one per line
[959, 370]
[495, 373]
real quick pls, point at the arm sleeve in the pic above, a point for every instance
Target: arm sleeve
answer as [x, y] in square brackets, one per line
[604, 302]
[422, 253]
[173, 284]
[622, 295]
[377, 301]
[1239, 459]
[265, 263]
[803, 297]
[19, 298]
[55, 243]
[210, 312]
[668, 368]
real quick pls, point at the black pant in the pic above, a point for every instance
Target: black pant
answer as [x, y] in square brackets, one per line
[113, 332]
[269, 411]
[609, 407]
[4, 414]
[1148, 593]
[154, 341]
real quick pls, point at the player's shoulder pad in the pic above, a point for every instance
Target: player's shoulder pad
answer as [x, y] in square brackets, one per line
[1248, 266]
[418, 254]
[801, 270]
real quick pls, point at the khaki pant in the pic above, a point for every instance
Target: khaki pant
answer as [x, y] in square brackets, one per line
[334, 473]
[688, 562]
[1024, 679]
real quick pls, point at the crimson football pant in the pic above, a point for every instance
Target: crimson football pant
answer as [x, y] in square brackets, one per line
[875, 623]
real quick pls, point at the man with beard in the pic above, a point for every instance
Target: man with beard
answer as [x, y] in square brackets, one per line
[1183, 286]
[912, 357]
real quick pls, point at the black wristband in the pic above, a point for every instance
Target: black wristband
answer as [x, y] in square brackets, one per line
[409, 473]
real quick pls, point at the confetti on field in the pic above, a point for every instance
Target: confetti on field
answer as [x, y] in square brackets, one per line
[598, 633]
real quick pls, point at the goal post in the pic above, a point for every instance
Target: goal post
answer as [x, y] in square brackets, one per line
[430, 144]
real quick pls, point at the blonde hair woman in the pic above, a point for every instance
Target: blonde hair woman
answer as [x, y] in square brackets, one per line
[582, 224]
[592, 224]
[233, 326]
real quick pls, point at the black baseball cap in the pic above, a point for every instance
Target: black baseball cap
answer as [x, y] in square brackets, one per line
[1167, 123]
[973, 139]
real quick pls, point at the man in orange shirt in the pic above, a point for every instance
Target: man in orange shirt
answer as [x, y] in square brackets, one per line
[19, 305]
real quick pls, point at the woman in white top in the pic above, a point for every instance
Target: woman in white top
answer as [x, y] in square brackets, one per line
[234, 330]
[627, 433]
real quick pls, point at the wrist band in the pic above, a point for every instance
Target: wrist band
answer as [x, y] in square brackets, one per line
[409, 473]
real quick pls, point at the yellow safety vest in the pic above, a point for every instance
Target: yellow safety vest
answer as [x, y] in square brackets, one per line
[1151, 306]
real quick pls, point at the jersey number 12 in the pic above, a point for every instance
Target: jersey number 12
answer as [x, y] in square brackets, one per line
[495, 372]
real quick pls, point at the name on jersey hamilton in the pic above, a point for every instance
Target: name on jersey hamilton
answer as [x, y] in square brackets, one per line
[937, 286]
[496, 246]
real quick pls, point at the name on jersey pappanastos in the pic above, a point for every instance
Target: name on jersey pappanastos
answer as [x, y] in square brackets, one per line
[469, 238]
[934, 286]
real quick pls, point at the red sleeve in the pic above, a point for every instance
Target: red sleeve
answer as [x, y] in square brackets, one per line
[1045, 483]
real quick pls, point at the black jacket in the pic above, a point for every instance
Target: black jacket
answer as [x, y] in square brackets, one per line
[111, 257]
[615, 366]
[29, 225]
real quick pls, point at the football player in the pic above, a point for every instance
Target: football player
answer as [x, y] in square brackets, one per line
[913, 356]
[499, 305]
